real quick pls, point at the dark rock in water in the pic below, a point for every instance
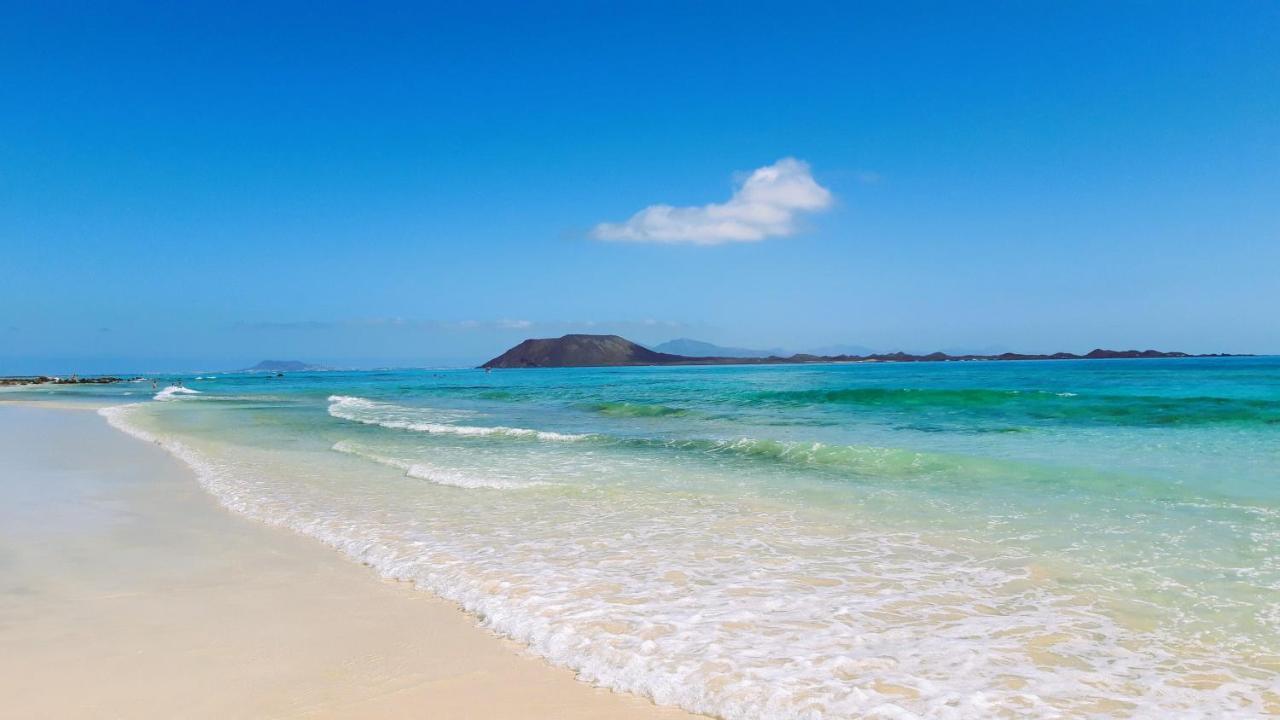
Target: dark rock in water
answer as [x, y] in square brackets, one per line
[34, 380]
[612, 350]
[580, 351]
[274, 366]
[73, 380]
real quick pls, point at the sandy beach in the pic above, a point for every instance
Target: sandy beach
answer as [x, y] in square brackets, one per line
[127, 592]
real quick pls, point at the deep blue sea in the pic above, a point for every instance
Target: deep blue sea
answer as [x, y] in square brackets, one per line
[945, 540]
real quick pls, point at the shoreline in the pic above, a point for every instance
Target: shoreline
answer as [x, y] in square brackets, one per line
[127, 581]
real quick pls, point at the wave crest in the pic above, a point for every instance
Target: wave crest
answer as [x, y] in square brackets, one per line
[396, 417]
[626, 409]
[173, 392]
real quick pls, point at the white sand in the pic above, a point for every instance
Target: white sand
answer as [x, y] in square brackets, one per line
[127, 592]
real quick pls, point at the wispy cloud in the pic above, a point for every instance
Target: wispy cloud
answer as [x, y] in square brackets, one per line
[764, 206]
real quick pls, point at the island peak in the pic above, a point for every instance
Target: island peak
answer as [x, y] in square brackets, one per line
[580, 350]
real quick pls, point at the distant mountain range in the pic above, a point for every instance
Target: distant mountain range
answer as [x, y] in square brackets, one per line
[698, 348]
[842, 350]
[284, 366]
[613, 350]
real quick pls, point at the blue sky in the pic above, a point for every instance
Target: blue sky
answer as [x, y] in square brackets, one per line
[188, 185]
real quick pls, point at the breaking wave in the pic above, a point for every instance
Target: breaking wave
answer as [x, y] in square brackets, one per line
[396, 417]
[173, 391]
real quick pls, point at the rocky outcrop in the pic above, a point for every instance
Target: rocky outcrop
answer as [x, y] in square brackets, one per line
[73, 380]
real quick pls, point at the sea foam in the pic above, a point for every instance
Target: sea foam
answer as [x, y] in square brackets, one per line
[440, 476]
[174, 391]
[396, 417]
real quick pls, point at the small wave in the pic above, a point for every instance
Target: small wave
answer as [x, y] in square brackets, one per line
[843, 460]
[861, 460]
[170, 392]
[439, 476]
[1037, 405]
[115, 416]
[626, 409]
[395, 417]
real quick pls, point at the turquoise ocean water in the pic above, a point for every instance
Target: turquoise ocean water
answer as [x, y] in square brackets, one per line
[951, 540]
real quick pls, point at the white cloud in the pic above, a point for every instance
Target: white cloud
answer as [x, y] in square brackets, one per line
[764, 206]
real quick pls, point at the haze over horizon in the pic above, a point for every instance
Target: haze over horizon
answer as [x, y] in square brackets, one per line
[204, 187]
